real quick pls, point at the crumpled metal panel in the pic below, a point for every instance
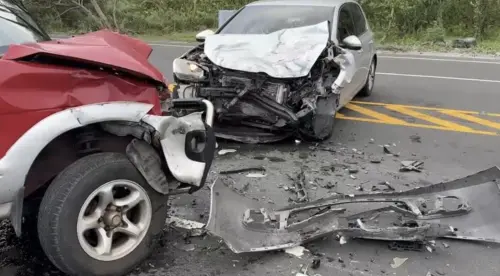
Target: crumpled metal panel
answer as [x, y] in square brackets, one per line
[287, 53]
[465, 208]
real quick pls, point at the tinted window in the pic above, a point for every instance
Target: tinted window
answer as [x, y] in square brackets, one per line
[17, 27]
[267, 19]
[345, 25]
[358, 18]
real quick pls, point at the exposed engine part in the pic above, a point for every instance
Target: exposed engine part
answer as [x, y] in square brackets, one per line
[262, 104]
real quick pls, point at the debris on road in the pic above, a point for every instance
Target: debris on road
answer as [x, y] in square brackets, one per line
[195, 228]
[385, 187]
[386, 149]
[316, 263]
[300, 187]
[226, 151]
[249, 169]
[416, 138]
[297, 251]
[397, 262]
[256, 175]
[421, 214]
[408, 166]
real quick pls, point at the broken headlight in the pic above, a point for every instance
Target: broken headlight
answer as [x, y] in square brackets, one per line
[186, 70]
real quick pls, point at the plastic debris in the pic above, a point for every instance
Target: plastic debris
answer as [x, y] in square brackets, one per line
[408, 166]
[255, 175]
[397, 262]
[226, 151]
[297, 251]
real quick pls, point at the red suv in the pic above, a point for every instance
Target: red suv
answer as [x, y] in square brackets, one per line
[82, 130]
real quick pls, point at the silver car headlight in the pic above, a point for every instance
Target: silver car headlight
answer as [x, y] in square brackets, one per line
[188, 70]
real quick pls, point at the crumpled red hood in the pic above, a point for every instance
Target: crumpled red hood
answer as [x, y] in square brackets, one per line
[102, 47]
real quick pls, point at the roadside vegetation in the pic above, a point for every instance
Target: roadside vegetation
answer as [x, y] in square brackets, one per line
[398, 24]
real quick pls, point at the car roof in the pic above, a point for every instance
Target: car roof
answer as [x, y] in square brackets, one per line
[323, 3]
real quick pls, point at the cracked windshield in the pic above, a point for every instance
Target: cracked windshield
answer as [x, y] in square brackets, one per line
[252, 138]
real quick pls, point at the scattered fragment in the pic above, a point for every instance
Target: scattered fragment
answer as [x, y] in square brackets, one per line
[352, 176]
[397, 262]
[440, 272]
[300, 187]
[186, 247]
[342, 240]
[428, 273]
[262, 169]
[297, 142]
[408, 166]
[372, 140]
[226, 151]
[416, 138]
[386, 149]
[406, 246]
[353, 171]
[300, 274]
[386, 187]
[297, 251]
[376, 160]
[255, 175]
[184, 223]
[316, 263]
[446, 245]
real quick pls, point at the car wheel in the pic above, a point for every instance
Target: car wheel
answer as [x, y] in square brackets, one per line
[322, 123]
[100, 217]
[370, 81]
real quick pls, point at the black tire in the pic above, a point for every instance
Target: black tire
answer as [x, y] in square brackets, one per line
[368, 88]
[58, 215]
[322, 124]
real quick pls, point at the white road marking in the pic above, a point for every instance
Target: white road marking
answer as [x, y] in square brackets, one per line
[440, 59]
[437, 77]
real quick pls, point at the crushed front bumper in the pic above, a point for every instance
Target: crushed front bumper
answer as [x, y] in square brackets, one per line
[466, 208]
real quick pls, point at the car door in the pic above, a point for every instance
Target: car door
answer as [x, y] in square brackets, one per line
[366, 37]
[345, 28]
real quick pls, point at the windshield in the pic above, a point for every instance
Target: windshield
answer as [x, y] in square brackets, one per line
[266, 19]
[17, 26]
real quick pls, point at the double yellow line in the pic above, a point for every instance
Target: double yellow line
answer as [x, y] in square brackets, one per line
[417, 112]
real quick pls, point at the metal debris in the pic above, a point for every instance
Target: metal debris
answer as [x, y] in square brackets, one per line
[300, 187]
[397, 262]
[408, 166]
[256, 175]
[195, 228]
[226, 151]
[262, 169]
[385, 184]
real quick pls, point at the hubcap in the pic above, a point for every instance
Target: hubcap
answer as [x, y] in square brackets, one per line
[114, 220]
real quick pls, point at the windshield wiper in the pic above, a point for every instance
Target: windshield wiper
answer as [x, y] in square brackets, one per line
[26, 24]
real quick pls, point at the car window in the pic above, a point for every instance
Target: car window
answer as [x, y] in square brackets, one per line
[358, 18]
[17, 27]
[266, 19]
[345, 26]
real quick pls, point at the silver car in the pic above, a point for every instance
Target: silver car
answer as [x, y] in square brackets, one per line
[280, 68]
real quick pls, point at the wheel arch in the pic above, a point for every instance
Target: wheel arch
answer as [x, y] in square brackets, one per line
[19, 159]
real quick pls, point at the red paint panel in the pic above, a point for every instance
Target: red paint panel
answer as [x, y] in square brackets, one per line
[30, 92]
[102, 47]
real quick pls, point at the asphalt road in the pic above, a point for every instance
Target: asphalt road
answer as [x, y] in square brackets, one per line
[428, 85]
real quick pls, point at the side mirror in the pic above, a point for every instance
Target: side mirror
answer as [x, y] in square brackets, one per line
[352, 42]
[200, 37]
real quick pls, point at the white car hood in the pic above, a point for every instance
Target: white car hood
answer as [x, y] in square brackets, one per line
[287, 53]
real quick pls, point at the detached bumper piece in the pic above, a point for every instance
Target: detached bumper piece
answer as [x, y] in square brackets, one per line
[466, 208]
